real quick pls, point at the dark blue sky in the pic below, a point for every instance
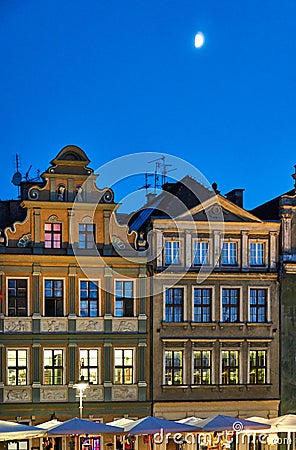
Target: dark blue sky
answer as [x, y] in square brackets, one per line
[116, 77]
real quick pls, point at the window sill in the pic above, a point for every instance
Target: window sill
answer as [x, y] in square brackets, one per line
[194, 325]
[184, 387]
[260, 324]
[231, 324]
[183, 324]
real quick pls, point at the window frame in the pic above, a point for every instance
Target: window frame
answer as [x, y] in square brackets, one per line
[266, 367]
[240, 304]
[63, 298]
[134, 287]
[124, 366]
[211, 306]
[184, 303]
[201, 241]
[238, 366]
[27, 350]
[264, 242]
[183, 363]
[168, 240]
[99, 306]
[52, 368]
[52, 234]
[98, 368]
[86, 234]
[229, 241]
[7, 295]
[210, 367]
[267, 303]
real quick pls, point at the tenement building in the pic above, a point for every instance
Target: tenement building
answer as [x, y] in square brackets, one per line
[283, 209]
[215, 333]
[72, 307]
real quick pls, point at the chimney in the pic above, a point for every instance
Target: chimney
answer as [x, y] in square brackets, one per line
[236, 196]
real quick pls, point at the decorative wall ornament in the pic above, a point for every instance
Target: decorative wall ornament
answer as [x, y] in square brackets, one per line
[94, 393]
[87, 219]
[17, 326]
[89, 325]
[53, 218]
[124, 325]
[53, 394]
[108, 196]
[15, 394]
[25, 240]
[215, 212]
[124, 393]
[33, 194]
[53, 325]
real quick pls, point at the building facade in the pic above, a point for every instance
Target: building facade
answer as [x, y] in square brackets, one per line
[72, 308]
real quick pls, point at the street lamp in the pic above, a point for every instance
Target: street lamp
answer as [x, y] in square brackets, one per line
[80, 387]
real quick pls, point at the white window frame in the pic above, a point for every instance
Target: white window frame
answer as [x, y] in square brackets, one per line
[64, 295]
[134, 364]
[213, 302]
[95, 280]
[64, 353]
[180, 252]
[133, 280]
[28, 295]
[258, 348]
[28, 366]
[237, 243]
[201, 241]
[268, 304]
[240, 304]
[240, 375]
[99, 350]
[165, 287]
[264, 242]
[174, 349]
[202, 349]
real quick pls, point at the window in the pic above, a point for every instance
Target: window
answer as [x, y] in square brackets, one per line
[17, 367]
[201, 253]
[53, 290]
[173, 374]
[174, 305]
[124, 299]
[256, 254]
[202, 367]
[172, 255]
[89, 365]
[89, 299]
[202, 305]
[18, 445]
[257, 373]
[258, 305]
[17, 297]
[53, 366]
[229, 253]
[230, 305]
[53, 235]
[86, 235]
[123, 367]
[230, 367]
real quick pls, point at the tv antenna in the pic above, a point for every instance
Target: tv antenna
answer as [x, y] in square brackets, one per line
[161, 169]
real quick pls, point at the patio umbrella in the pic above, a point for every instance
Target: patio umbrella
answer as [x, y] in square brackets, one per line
[13, 430]
[191, 420]
[82, 426]
[49, 424]
[284, 423]
[121, 422]
[152, 425]
[229, 423]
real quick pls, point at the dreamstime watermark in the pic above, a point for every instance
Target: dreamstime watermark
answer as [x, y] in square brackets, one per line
[195, 213]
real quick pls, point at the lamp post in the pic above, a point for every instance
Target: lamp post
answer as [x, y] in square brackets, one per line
[80, 387]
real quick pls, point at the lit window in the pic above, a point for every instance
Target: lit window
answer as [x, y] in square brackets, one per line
[229, 253]
[17, 367]
[18, 445]
[172, 252]
[124, 299]
[123, 367]
[173, 367]
[257, 373]
[89, 365]
[17, 297]
[53, 290]
[53, 235]
[86, 235]
[230, 305]
[258, 305]
[202, 305]
[53, 366]
[256, 254]
[202, 367]
[174, 305]
[230, 367]
[201, 253]
[89, 297]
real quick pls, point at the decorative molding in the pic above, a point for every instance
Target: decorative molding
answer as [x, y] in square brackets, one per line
[90, 325]
[94, 393]
[124, 326]
[53, 218]
[16, 394]
[87, 219]
[124, 393]
[11, 325]
[25, 240]
[54, 325]
[52, 393]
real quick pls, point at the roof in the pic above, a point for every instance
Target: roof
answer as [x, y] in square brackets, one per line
[270, 209]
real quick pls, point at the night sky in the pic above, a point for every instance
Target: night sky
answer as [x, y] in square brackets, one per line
[118, 77]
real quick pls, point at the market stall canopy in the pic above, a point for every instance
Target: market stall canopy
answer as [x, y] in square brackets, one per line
[16, 431]
[152, 425]
[82, 426]
[120, 422]
[229, 423]
[284, 423]
[191, 420]
[49, 424]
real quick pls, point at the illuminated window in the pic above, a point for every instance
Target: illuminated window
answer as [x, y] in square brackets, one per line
[123, 367]
[172, 255]
[124, 299]
[173, 367]
[230, 305]
[201, 253]
[256, 254]
[17, 367]
[230, 367]
[229, 253]
[89, 365]
[89, 299]
[202, 305]
[258, 305]
[174, 305]
[257, 373]
[17, 297]
[202, 367]
[53, 235]
[53, 366]
[53, 297]
[86, 233]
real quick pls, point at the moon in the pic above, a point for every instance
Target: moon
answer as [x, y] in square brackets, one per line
[199, 40]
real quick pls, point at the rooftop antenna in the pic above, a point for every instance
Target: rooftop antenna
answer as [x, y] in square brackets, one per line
[17, 177]
[146, 185]
[162, 167]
